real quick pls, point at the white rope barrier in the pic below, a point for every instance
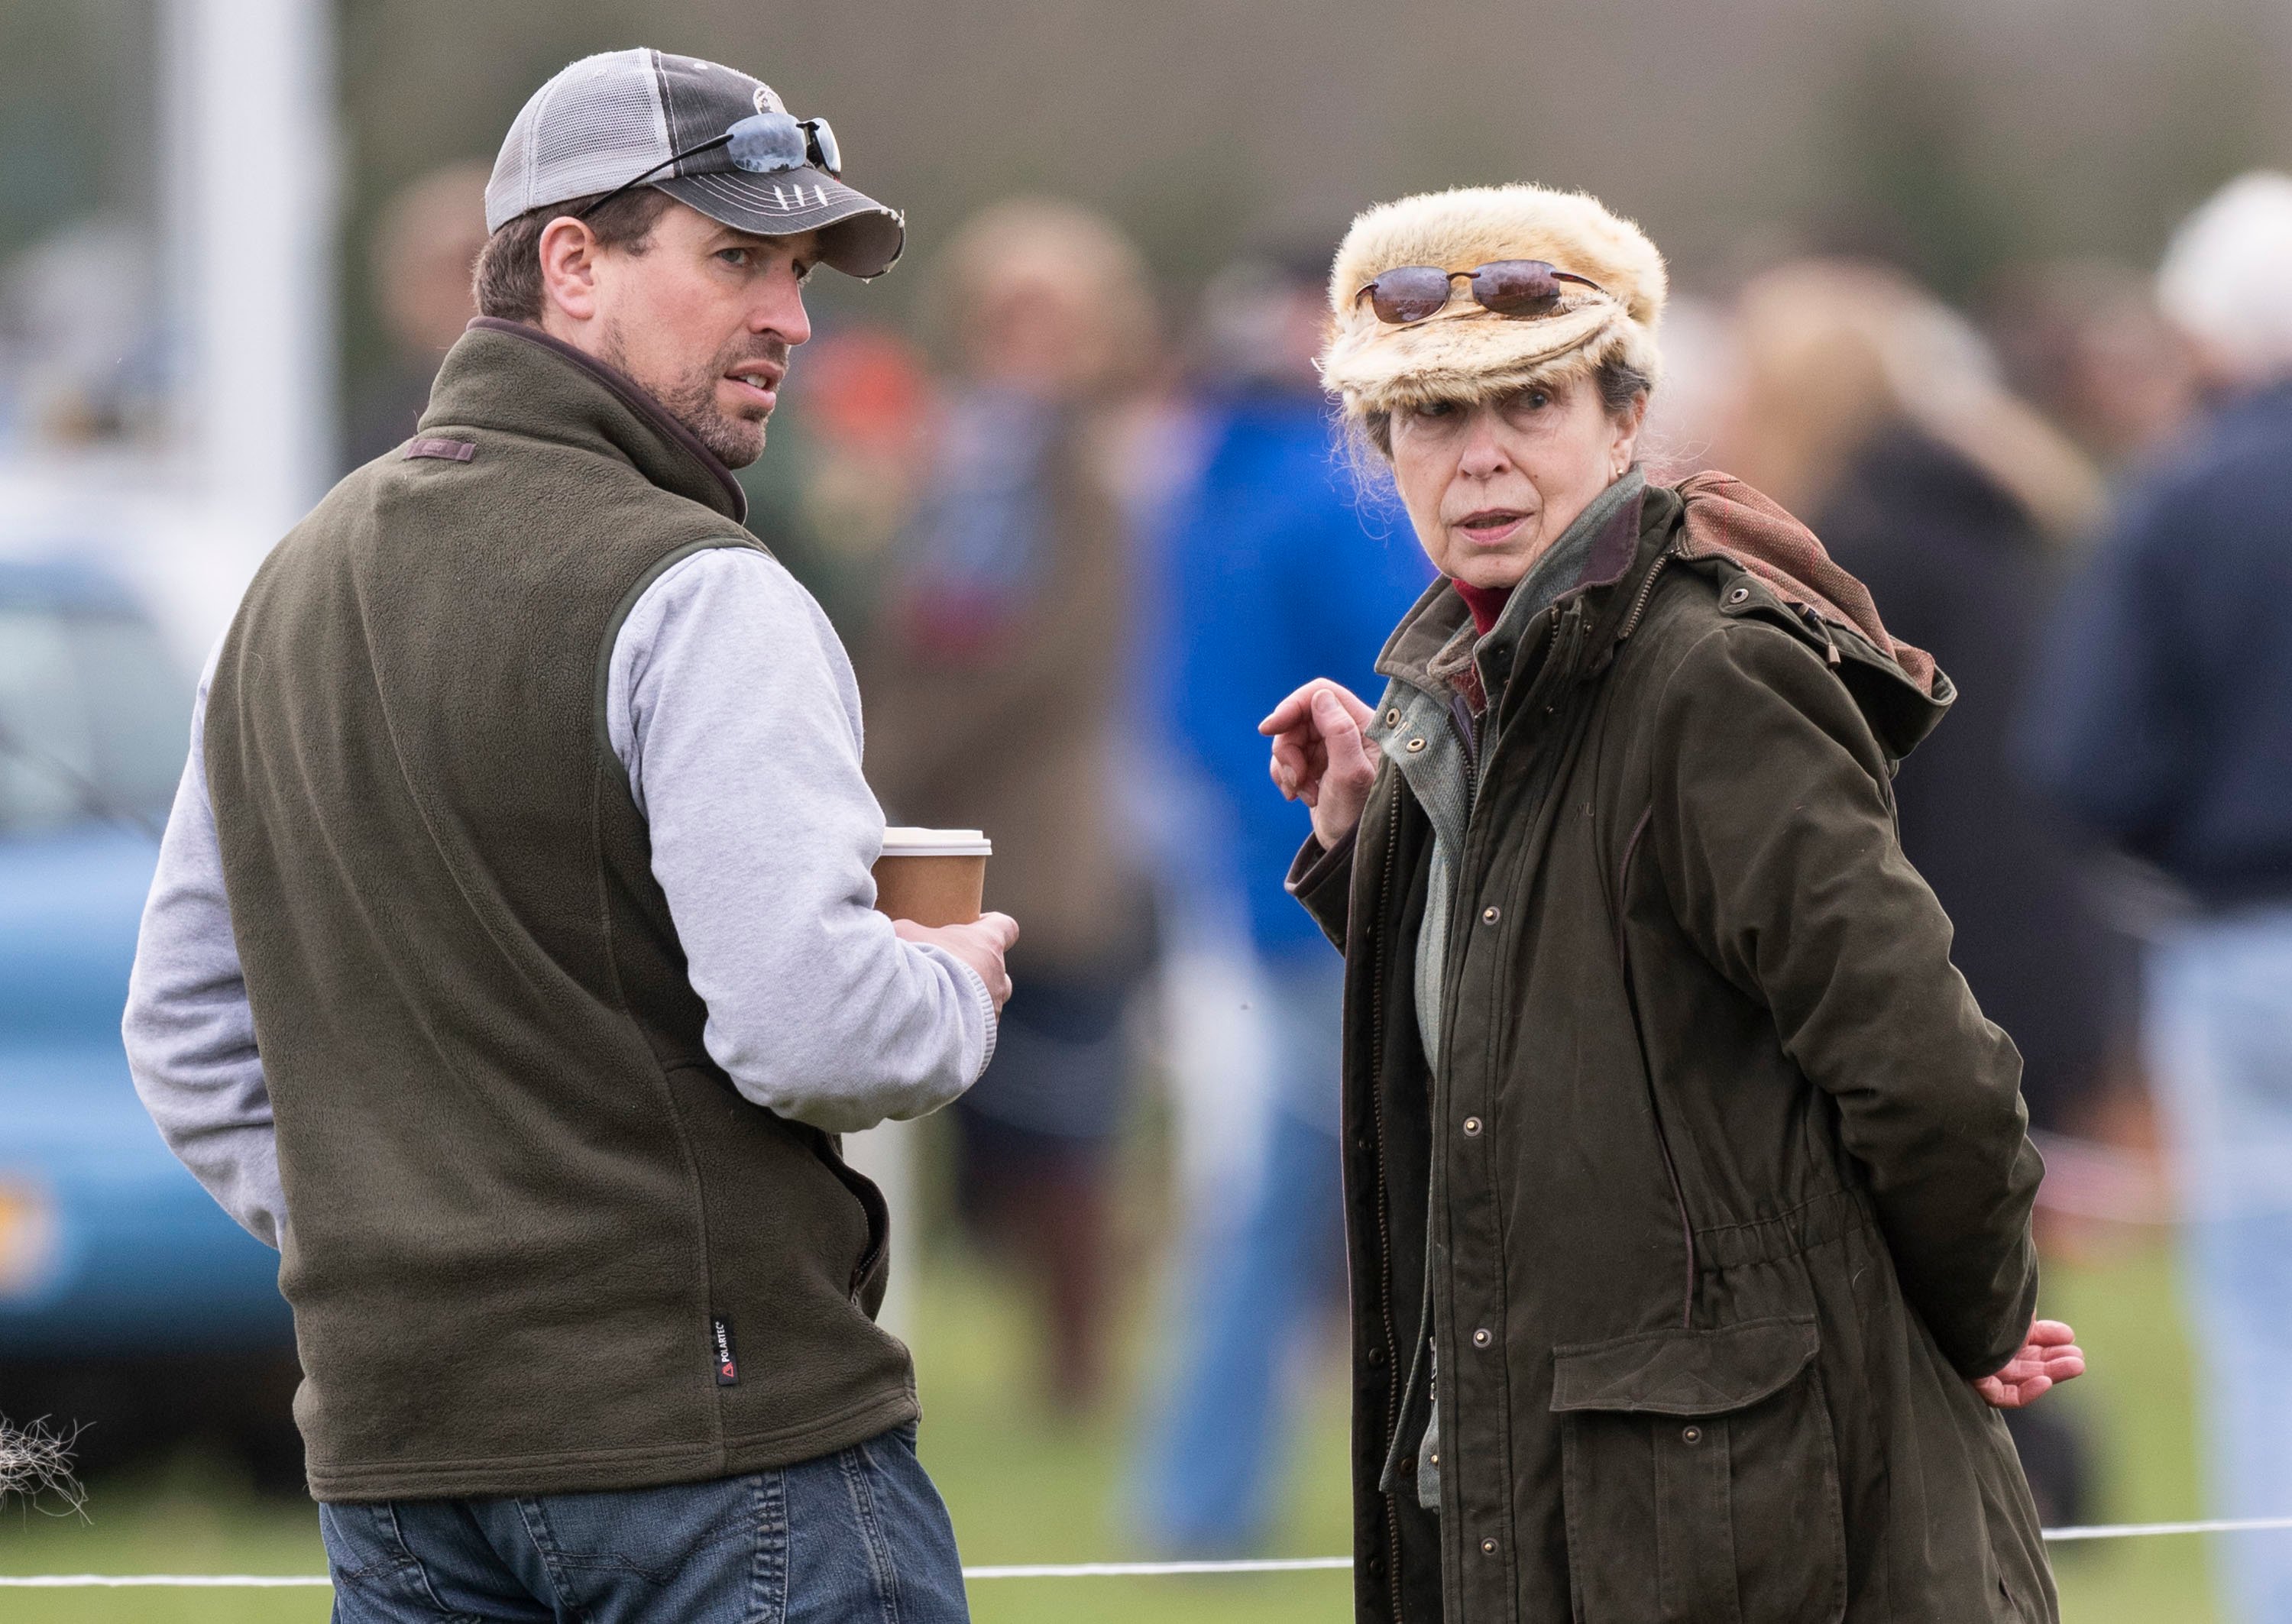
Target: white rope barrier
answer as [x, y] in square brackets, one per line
[2139, 1530]
[1069, 1570]
[1138, 1569]
[189, 1581]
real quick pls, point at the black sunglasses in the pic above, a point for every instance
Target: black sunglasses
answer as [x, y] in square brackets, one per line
[1505, 288]
[762, 143]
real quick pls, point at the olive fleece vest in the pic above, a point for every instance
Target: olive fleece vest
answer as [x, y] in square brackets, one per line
[535, 1241]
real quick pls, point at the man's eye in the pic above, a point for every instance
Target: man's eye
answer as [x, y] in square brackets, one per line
[734, 256]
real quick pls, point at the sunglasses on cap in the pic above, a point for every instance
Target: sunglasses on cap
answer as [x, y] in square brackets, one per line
[1503, 287]
[762, 144]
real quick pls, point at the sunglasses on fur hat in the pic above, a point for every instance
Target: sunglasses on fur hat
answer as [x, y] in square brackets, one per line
[1503, 287]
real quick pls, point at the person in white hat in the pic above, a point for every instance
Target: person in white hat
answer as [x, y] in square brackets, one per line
[1687, 1191]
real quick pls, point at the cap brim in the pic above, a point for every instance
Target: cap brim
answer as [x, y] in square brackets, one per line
[858, 235]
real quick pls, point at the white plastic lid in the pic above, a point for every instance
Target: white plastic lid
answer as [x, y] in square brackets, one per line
[937, 843]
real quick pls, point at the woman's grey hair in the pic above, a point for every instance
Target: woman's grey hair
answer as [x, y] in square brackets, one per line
[1618, 381]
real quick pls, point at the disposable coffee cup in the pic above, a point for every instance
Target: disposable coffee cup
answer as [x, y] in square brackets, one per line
[932, 876]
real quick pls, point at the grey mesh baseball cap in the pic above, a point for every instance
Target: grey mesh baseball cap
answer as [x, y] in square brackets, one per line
[611, 119]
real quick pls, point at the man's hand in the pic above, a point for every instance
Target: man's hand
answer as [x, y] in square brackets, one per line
[1320, 756]
[2050, 1354]
[982, 945]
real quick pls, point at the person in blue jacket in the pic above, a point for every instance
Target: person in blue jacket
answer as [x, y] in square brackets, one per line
[1277, 567]
[2163, 722]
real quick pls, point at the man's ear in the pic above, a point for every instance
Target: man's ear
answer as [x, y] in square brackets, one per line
[569, 268]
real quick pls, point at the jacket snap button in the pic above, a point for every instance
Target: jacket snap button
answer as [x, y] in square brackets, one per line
[1415, 746]
[1692, 1434]
[1488, 1548]
[1377, 1355]
[1472, 1127]
[1393, 718]
[1739, 594]
[1481, 1338]
[1489, 916]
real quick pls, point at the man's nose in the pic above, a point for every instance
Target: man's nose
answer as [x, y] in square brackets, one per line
[780, 310]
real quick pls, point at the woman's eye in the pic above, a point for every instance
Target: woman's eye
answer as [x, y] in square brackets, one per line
[1433, 410]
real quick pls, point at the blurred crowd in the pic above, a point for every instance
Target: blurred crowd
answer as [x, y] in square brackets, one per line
[1081, 533]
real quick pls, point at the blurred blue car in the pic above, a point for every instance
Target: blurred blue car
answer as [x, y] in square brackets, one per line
[130, 1304]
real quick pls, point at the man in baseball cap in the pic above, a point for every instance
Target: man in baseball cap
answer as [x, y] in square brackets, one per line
[709, 136]
[510, 963]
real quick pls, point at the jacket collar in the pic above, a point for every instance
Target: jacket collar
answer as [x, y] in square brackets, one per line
[1429, 628]
[518, 380]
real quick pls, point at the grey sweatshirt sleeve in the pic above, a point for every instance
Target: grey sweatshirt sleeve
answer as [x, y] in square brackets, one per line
[188, 1031]
[732, 706]
[730, 701]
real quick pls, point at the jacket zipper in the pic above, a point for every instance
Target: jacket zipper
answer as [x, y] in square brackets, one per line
[1647, 590]
[1647, 1068]
[1383, 1222]
[1821, 629]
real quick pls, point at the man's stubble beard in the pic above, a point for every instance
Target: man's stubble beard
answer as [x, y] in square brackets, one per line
[691, 398]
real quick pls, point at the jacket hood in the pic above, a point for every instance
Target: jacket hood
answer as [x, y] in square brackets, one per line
[1901, 692]
[1731, 533]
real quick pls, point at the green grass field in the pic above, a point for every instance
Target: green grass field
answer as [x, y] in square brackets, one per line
[1026, 1488]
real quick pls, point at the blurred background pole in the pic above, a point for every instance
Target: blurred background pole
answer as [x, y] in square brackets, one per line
[249, 183]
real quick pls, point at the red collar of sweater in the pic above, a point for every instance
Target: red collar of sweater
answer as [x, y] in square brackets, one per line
[1486, 603]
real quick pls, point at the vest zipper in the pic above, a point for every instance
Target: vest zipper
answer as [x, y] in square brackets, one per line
[879, 1227]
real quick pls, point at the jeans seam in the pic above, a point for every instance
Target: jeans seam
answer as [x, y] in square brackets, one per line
[530, 1512]
[769, 1581]
[421, 1573]
[857, 1465]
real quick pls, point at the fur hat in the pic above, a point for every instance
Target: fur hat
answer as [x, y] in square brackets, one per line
[1466, 352]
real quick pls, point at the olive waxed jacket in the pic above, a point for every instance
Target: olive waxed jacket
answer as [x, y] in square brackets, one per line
[1729, 1189]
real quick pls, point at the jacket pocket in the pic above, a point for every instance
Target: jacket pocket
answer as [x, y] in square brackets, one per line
[1701, 1478]
[871, 1273]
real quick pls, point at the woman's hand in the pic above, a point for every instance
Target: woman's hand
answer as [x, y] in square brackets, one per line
[1320, 756]
[2050, 1354]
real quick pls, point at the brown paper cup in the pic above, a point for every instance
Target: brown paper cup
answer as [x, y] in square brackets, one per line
[932, 876]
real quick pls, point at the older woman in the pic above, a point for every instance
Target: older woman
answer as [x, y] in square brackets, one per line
[1687, 1187]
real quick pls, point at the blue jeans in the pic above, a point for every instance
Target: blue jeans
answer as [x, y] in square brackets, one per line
[2219, 1024]
[860, 1535]
[1210, 1467]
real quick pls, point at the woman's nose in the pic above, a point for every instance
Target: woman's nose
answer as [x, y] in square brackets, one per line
[1483, 457]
